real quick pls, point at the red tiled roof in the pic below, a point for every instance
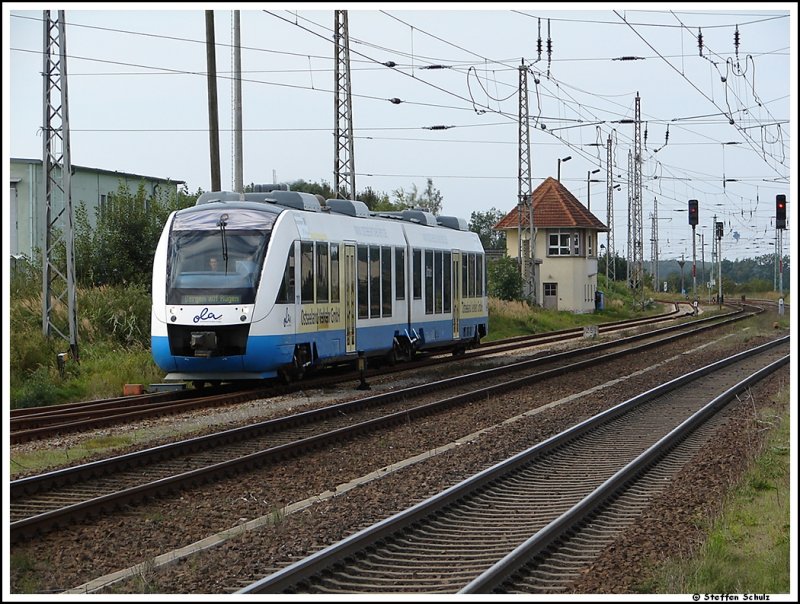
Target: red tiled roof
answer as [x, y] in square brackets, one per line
[553, 207]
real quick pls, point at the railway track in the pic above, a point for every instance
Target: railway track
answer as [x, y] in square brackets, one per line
[39, 503]
[532, 522]
[41, 422]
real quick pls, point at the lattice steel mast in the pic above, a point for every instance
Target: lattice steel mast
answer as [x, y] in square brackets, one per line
[58, 260]
[344, 171]
[525, 200]
[637, 230]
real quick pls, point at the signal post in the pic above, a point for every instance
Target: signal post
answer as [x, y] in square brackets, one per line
[780, 226]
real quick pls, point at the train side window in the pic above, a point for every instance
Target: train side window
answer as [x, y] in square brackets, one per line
[306, 273]
[479, 275]
[363, 282]
[416, 272]
[386, 281]
[471, 276]
[448, 282]
[464, 284]
[399, 273]
[437, 281]
[428, 282]
[374, 281]
[334, 273]
[322, 271]
[286, 289]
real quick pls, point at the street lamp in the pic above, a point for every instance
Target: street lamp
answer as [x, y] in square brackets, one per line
[603, 253]
[589, 187]
[560, 159]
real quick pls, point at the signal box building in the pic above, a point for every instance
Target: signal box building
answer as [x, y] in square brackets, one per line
[92, 186]
[565, 255]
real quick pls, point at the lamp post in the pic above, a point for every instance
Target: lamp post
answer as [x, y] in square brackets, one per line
[589, 187]
[603, 253]
[560, 159]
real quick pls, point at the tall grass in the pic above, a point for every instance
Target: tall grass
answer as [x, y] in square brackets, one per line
[113, 344]
[513, 318]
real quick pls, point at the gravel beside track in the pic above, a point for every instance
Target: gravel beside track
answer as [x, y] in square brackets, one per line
[66, 558]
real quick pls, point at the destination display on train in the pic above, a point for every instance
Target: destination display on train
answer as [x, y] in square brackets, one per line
[210, 299]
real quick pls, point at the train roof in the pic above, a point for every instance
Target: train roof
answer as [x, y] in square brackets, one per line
[277, 201]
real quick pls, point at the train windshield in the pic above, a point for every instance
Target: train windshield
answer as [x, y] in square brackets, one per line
[216, 256]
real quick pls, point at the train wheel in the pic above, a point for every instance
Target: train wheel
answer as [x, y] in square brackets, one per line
[198, 384]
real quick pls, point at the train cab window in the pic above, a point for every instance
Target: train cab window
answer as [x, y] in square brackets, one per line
[416, 272]
[448, 283]
[334, 273]
[428, 282]
[479, 275]
[386, 281]
[399, 273]
[363, 282]
[322, 271]
[286, 288]
[306, 273]
[374, 281]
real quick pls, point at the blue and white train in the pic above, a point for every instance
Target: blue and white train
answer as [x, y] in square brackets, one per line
[296, 284]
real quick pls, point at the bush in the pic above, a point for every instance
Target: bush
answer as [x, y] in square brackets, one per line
[505, 280]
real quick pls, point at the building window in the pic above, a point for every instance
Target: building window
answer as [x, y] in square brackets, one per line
[558, 244]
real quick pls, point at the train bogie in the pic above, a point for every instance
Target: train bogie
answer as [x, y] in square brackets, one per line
[297, 285]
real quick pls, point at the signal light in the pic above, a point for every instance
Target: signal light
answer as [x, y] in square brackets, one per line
[719, 230]
[693, 212]
[780, 211]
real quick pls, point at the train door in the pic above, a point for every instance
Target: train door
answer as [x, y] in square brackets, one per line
[350, 297]
[456, 288]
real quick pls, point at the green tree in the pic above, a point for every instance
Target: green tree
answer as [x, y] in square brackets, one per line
[505, 280]
[430, 200]
[119, 250]
[483, 223]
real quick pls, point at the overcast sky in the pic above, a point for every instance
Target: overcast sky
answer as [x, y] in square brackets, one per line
[717, 127]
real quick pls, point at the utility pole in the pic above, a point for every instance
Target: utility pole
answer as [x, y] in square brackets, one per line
[525, 198]
[238, 181]
[629, 255]
[610, 210]
[58, 280]
[654, 246]
[213, 113]
[590, 180]
[703, 258]
[712, 278]
[344, 169]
